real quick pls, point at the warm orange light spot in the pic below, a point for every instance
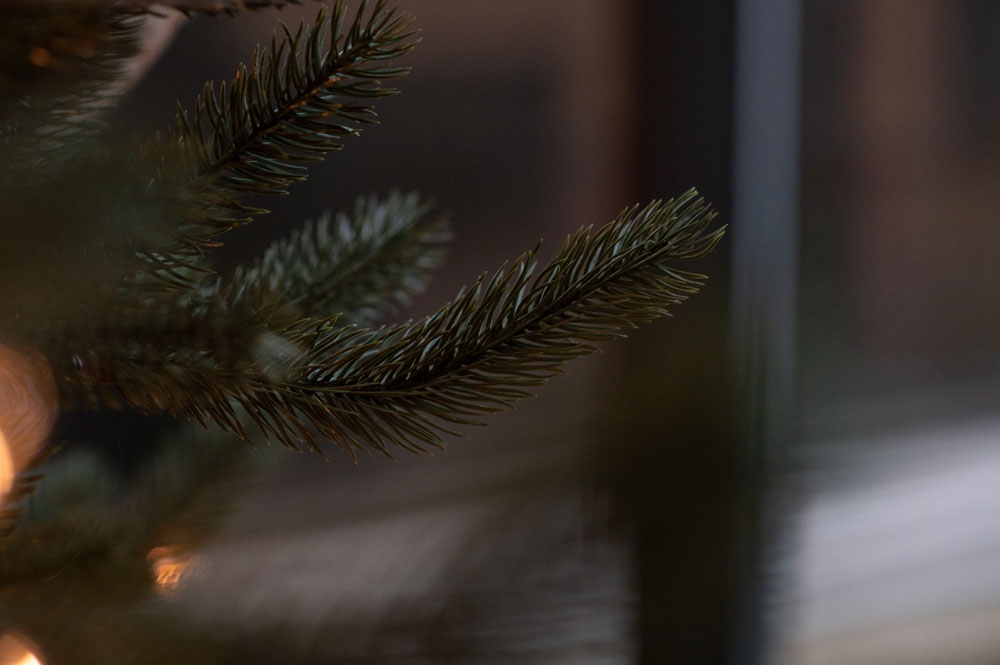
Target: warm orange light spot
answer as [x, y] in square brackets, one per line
[169, 567]
[16, 651]
[7, 471]
[39, 57]
[29, 404]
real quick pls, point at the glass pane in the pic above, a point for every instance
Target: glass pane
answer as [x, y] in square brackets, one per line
[894, 539]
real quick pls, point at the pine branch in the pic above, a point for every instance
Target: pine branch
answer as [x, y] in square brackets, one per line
[363, 266]
[171, 330]
[404, 385]
[295, 103]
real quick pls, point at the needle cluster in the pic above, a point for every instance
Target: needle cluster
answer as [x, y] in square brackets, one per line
[295, 345]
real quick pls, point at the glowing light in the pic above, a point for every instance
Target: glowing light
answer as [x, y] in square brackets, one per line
[15, 650]
[29, 404]
[39, 57]
[169, 568]
[7, 472]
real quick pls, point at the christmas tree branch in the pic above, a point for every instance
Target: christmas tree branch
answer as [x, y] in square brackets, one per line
[295, 103]
[363, 266]
[404, 385]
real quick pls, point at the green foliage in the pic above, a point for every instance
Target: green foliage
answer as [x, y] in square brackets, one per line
[295, 102]
[272, 343]
[288, 345]
[277, 343]
[404, 384]
[364, 266]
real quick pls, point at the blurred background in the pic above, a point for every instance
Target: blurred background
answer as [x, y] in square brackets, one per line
[800, 468]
